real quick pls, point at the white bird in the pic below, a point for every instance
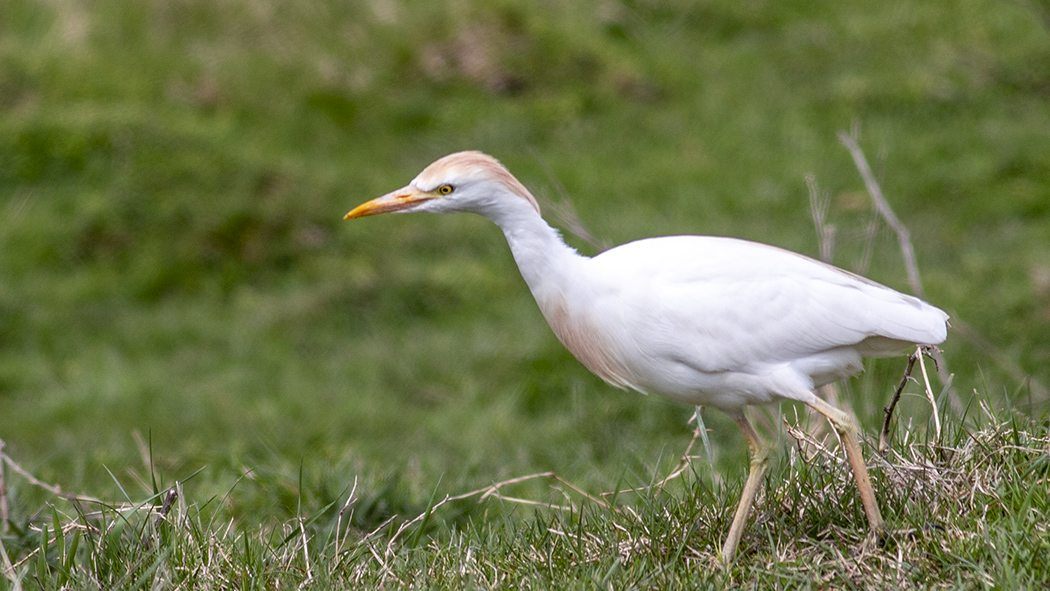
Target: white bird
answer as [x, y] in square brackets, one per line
[704, 320]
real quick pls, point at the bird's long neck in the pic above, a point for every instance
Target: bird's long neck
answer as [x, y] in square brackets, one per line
[561, 282]
[544, 260]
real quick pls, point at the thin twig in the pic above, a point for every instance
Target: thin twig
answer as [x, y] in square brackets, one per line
[903, 236]
[306, 555]
[801, 436]
[5, 512]
[819, 204]
[51, 488]
[929, 394]
[849, 140]
[683, 463]
[493, 490]
[169, 502]
[348, 507]
[884, 434]
[165, 507]
[871, 232]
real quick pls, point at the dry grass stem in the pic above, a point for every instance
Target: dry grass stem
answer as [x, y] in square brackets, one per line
[929, 395]
[5, 509]
[931, 484]
[683, 464]
[819, 205]
[802, 436]
[51, 488]
[849, 140]
[884, 433]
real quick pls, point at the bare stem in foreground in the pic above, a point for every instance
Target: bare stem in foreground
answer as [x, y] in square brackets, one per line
[5, 512]
[683, 463]
[922, 351]
[51, 488]
[884, 434]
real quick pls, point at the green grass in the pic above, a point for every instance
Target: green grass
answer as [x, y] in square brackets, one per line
[179, 294]
[966, 511]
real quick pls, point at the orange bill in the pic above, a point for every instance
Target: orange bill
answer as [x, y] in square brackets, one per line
[401, 199]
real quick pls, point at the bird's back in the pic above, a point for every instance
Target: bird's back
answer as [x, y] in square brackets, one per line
[709, 319]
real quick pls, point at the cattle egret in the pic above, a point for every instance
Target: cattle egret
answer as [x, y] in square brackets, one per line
[703, 320]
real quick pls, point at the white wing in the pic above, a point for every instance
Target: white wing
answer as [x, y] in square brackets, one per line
[721, 306]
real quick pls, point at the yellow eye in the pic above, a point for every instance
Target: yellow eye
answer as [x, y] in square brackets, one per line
[445, 189]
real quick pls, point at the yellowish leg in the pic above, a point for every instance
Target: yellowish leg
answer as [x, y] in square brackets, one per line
[847, 430]
[759, 463]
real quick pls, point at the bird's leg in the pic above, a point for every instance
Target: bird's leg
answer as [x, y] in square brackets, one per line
[759, 463]
[847, 431]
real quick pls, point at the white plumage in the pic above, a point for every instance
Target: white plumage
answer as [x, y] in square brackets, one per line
[704, 320]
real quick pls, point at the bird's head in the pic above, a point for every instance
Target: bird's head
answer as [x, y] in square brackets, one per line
[463, 181]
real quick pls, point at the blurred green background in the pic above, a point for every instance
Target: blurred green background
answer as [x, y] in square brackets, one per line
[176, 278]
